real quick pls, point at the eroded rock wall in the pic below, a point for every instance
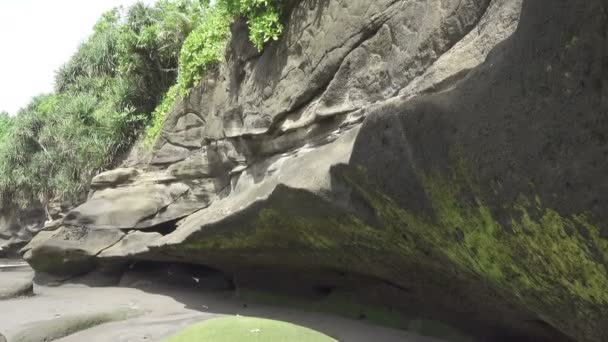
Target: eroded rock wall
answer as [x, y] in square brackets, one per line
[413, 153]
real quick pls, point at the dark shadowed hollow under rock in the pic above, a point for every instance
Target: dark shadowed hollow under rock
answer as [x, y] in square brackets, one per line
[411, 154]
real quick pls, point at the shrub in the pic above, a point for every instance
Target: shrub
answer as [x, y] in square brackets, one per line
[262, 18]
[158, 117]
[204, 46]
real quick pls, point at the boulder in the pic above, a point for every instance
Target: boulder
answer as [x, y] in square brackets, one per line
[113, 177]
[69, 250]
[138, 206]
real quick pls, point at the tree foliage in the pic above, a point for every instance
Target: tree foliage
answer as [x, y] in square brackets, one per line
[159, 115]
[122, 79]
[6, 123]
[204, 46]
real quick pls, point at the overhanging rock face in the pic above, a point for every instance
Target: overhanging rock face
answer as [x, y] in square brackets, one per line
[403, 150]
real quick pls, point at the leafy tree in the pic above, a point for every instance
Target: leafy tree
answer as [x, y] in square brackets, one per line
[6, 123]
[122, 78]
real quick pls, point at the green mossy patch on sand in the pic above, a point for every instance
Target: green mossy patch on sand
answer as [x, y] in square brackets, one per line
[237, 329]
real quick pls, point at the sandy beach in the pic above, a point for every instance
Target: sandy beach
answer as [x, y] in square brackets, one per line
[151, 312]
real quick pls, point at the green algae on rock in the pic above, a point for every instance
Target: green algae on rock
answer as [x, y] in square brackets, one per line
[543, 259]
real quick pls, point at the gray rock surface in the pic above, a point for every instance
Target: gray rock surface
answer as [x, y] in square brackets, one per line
[69, 250]
[143, 204]
[113, 177]
[57, 328]
[313, 73]
[498, 23]
[20, 284]
[413, 153]
[133, 243]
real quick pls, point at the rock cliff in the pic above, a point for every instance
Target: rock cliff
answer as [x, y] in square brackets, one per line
[446, 159]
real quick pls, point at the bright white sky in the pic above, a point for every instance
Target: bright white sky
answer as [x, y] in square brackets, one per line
[36, 38]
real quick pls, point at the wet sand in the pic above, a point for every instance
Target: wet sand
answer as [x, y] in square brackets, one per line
[156, 311]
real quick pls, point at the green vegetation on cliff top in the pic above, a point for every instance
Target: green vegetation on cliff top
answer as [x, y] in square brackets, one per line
[120, 83]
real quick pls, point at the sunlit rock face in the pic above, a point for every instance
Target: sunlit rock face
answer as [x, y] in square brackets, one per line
[445, 159]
